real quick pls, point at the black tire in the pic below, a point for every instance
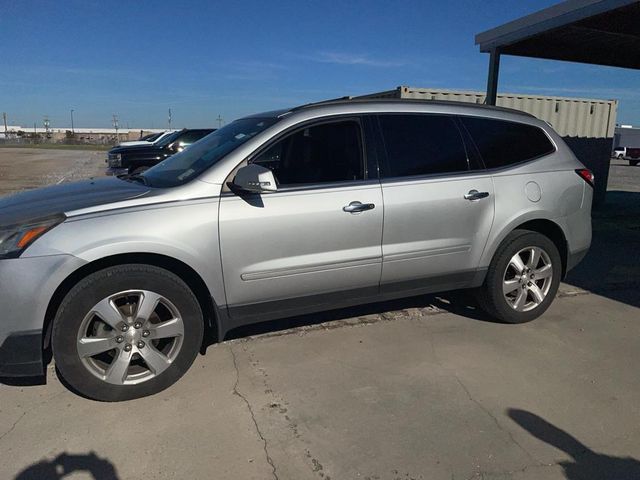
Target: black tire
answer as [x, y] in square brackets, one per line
[633, 163]
[490, 295]
[102, 284]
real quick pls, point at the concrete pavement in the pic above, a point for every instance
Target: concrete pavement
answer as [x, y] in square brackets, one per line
[411, 393]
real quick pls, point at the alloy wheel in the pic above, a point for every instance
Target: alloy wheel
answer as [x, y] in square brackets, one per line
[130, 337]
[527, 279]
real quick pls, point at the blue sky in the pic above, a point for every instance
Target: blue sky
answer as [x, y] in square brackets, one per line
[209, 58]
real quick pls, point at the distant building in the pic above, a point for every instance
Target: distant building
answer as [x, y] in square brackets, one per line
[80, 134]
[626, 136]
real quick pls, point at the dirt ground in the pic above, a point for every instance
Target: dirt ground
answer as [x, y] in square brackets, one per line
[26, 168]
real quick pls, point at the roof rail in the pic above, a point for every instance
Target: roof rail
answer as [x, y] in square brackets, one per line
[351, 100]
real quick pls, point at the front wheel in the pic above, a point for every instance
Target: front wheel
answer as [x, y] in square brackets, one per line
[523, 278]
[126, 332]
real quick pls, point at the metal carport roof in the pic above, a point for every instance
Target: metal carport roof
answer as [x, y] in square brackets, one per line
[601, 32]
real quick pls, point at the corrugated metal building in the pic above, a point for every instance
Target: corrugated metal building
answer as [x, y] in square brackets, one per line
[587, 125]
[570, 117]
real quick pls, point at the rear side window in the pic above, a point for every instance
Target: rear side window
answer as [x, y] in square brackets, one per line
[422, 145]
[504, 143]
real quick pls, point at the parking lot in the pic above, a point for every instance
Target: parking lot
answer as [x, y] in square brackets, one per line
[423, 388]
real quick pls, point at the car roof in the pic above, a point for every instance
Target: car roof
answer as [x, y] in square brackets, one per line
[382, 104]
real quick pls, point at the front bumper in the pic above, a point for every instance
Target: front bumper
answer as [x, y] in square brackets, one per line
[574, 258]
[21, 354]
[27, 285]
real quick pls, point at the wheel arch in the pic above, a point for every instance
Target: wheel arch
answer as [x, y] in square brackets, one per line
[553, 232]
[544, 226]
[186, 273]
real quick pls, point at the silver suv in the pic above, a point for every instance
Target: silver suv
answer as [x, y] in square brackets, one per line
[281, 214]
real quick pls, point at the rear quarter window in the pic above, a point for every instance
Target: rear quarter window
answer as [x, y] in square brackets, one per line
[503, 143]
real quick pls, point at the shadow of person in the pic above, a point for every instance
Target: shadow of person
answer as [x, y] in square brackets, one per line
[64, 465]
[585, 464]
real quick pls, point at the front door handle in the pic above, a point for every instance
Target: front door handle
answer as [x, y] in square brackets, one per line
[475, 195]
[355, 207]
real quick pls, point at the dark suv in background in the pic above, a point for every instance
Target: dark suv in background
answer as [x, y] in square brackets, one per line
[137, 158]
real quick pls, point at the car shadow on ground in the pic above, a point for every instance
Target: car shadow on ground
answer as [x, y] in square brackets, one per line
[585, 464]
[612, 266]
[459, 302]
[66, 465]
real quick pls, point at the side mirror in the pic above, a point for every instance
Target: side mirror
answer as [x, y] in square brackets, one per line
[255, 178]
[176, 147]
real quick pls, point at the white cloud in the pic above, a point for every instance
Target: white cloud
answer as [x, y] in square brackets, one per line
[343, 58]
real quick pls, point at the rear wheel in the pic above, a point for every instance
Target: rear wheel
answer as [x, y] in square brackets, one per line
[523, 278]
[126, 332]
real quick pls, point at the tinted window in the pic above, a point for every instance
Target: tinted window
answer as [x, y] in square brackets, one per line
[422, 145]
[325, 153]
[504, 143]
[193, 136]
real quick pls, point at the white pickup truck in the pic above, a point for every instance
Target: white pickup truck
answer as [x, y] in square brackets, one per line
[149, 139]
[619, 152]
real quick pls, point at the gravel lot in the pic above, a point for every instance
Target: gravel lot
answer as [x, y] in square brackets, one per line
[25, 168]
[424, 388]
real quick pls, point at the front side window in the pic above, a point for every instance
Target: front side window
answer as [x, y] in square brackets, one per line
[502, 143]
[326, 153]
[422, 145]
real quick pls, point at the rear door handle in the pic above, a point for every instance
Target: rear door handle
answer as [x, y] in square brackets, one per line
[355, 207]
[475, 195]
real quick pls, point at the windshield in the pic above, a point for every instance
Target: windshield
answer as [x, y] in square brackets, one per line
[152, 137]
[188, 164]
[164, 141]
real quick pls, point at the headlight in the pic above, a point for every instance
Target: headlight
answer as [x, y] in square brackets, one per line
[14, 239]
[115, 159]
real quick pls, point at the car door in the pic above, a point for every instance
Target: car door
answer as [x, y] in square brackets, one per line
[317, 238]
[439, 204]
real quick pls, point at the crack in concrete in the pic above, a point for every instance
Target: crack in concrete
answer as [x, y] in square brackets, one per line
[24, 414]
[13, 426]
[495, 420]
[253, 417]
[478, 403]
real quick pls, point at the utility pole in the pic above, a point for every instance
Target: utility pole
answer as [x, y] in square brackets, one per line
[46, 123]
[115, 125]
[72, 130]
[6, 130]
[220, 121]
[169, 119]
